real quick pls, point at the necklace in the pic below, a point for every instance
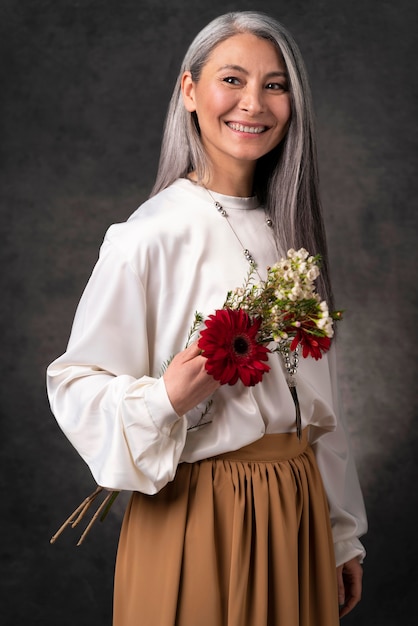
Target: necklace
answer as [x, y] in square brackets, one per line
[246, 252]
[290, 360]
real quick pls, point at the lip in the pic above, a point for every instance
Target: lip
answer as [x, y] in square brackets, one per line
[247, 128]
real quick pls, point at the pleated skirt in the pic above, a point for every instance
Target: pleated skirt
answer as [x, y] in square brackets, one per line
[241, 539]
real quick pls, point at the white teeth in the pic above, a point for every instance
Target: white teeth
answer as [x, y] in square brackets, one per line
[256, 130]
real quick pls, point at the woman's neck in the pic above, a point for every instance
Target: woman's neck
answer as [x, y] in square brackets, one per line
[238, 183]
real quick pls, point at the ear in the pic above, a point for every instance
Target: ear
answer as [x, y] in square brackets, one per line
[188, 92]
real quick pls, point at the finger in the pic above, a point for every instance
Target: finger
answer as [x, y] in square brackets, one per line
[353, 589]
[349, 605]
[340, 583]
[191, 352]
[194, 349]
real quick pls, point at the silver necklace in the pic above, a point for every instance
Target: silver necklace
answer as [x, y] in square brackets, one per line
[223, 212]
[290, 361]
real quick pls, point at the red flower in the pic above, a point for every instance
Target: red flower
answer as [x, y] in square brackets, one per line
[311, 344]
[229, 344]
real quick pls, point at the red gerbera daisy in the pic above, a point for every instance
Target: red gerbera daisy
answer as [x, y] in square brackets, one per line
[230, 346]
[311, 344]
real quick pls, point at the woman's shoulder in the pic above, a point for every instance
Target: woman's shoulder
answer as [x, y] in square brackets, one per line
[170, 212]
[179, 197]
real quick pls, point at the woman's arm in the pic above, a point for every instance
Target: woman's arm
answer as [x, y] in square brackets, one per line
[337, 466]
[118, 417]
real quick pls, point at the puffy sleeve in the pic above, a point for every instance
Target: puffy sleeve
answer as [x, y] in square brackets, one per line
[336, 464]
[117, 416]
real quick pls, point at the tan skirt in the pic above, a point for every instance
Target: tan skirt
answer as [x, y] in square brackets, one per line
[241, 539]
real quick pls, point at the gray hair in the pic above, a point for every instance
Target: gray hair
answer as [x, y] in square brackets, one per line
[286, 179]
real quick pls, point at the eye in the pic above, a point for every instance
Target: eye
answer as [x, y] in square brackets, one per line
[277, 86]
[231, 80]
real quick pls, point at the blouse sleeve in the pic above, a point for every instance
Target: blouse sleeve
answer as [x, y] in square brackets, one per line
[118, 417]
[336, 463]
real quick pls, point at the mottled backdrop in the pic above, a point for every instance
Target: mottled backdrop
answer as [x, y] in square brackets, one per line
[84, 88]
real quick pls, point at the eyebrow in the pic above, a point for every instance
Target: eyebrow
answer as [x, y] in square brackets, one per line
[238, 68]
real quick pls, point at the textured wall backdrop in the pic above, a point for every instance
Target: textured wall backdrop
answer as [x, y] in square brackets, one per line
[84, 89]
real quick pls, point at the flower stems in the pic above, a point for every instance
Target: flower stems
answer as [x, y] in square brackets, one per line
[78, 514]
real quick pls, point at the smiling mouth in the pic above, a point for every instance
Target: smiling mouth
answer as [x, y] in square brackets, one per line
[255, 130]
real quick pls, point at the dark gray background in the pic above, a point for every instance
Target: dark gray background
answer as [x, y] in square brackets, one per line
[84, 89]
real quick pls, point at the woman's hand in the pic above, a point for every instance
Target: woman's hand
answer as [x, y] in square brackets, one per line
[349, 577]
[186, 380]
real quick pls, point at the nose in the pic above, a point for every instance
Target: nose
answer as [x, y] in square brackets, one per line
[252, 100]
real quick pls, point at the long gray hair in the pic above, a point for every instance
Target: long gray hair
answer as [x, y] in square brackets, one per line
[286, 179]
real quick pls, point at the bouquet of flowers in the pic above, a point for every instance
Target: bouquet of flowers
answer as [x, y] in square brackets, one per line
[284, 308]
[278, 314]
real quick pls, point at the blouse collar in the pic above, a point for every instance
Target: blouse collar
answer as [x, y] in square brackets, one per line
[228, 202]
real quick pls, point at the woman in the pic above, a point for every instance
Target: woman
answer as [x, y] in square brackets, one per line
[228, 523]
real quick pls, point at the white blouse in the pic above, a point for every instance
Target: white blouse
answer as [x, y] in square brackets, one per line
[174, 256]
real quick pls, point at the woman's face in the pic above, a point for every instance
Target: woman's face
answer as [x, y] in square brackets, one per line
[241, 100]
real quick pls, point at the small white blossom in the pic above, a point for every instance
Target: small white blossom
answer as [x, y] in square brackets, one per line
[312, 273]
[302, 253]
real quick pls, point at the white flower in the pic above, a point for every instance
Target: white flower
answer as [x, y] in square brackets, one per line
[308, 293]
[296, 290]
[280, 295]
[326, 325]
[329, 328]
[302, 253]
[312, 273]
